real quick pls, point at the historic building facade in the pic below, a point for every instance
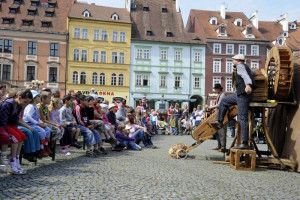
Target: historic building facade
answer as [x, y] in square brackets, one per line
[99, 50]
[167, 64]
[227, 34]
[33, 42]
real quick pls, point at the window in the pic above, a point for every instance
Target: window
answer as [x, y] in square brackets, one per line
[217, 48]
[96, 56]
[115, 16]
[96, 34]
[7, 46]
[146, 80]
[86, 14]
[149, 33]
[238, 23]
[169, 34]
[163, 54]
[229, 48]
[213, 21]
[104, 35]
[223, 30]
[197, 57]
[138, 80]
[122, 36]
[162, 82]
[216, 80]
[115, 36]
[254, 50]
[102, 79]
[49, 14]
[8, 21]
[51, 4]
[75, 77]
[121, 80]
[27, 22]
[1, 47]
[82, 78]
[46, 24]
[17, 2]
[6, 72]
[145, 8]
[84, 33]
[76, 32]
[242, 49]
[31, 48]
[76, 54]
[177, 81]
[121, 58]
[139, 53]
[13, 10]
[197, 82]
[286, 34]
[113, 79]
[249, 30]
[31, 12]
[229, 66]
[103, 56]
[164, 10]
[255, 64]
[83, 55]
[229, 84]
[114, 57]
[30, 73]
[95, 78]
[52, 74]
[146, 53]
[54, 49]
[178, 55]
[217, 66]
[35, 3]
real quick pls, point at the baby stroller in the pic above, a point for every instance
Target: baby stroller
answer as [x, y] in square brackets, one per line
[258, 132]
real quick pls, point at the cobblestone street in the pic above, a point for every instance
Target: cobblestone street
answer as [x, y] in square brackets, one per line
[149, 174]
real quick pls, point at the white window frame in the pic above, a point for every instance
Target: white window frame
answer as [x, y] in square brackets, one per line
[138, 80]
[121, 58]
[215, 70]
[146, 77]
[113, 81]
[146, 54]
[76, 54]
[122, 36]
[255, 64]
[35, 72]
[102, 79]
[178, 55]
[164, 54]
[227, 48]
[76, 32]
[121, 80]
[177, 78]
[103, 56]
[85, 33]
[197, 82]
[197, 56]
[217, 46]
[228, 84]
[95, 78]
[257, 50]
[240, 47]
[81, 81]
[75, 77]
[229, 66]
[84, 55]
[216, 79]
[57, 75]
[104, 35]
[115, 36]
[162, 81]
[95, 56]
[114, 55]
[139, 53]
[96, 34]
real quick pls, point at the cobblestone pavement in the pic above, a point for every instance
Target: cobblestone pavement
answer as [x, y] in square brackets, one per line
[149, 174]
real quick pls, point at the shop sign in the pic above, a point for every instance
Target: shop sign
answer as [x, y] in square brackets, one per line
[85, 92]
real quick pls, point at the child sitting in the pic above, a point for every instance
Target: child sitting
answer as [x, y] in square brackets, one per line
[186, 124]
[31, 117]
[173, 125]
[162, 124]
[122, 137]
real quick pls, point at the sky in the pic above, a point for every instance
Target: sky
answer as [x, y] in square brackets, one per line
[268, 10]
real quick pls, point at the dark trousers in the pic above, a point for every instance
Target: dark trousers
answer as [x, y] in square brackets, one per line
[243, 105]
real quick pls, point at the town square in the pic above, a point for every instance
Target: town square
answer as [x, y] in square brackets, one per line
[149, 99]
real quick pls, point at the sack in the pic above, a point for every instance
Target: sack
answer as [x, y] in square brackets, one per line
[147, 137]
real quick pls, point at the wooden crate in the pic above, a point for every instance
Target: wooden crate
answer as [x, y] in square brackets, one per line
[260, 94]
[247, 164]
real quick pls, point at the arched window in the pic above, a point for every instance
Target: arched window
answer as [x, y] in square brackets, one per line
[75, 77]
[115, 16]
[86, 13]
[121, 80]
[82, 78]
[95, 78]
[102, 79]
[113, 79]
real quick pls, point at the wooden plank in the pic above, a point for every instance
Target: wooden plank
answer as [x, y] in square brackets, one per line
[221, 162]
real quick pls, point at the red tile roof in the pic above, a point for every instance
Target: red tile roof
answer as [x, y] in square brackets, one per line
[159, 23]
[59, 20]
[271, 30]
[100, 13]
[208, 31]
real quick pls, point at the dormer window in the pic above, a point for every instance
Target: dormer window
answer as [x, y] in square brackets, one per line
[7, 20]
[13, 10]
[293, 26]
[149, 33]
[31, 12]
[285, 34]
[17, 2]
[86, 13]
[249, 30]
[51, 4]
[115, 16]
[164, 10]
[27, 22]
[145, 8]
[46, 24]
[222, 30]
[238, 22]
[213, 21]
[169, 34]
[35, 3]
[49, 14]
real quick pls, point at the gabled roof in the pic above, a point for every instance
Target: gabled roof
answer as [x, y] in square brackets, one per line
[159, 23]
[208, 31]
[271, 30]
[59, 20]
[99, 13]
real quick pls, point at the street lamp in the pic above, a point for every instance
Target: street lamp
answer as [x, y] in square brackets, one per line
[37, 83]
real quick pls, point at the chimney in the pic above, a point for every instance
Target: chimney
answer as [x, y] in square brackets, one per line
[93, 4]
[177, 6]
[255, 19]
[284, 22]
[223, 10]
[129, 4]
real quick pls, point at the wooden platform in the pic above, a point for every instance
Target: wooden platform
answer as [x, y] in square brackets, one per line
[242, 159]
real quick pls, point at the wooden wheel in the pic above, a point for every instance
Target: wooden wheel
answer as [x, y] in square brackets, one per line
[279, 67]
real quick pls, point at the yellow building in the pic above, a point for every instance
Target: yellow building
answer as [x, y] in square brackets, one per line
[99, 50]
